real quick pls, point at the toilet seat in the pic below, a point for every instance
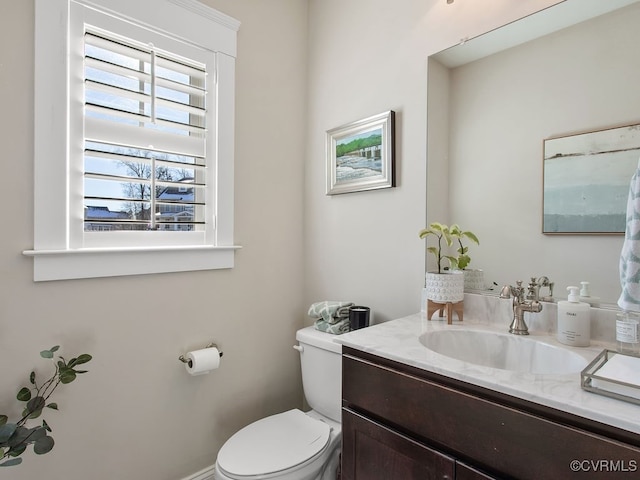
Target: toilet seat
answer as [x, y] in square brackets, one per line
[273, 444]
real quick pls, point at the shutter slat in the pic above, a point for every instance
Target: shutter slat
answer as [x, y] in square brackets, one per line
[115, 69]
[121, 157]
[99, 130]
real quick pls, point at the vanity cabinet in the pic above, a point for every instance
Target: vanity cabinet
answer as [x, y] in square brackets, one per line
[404, 423]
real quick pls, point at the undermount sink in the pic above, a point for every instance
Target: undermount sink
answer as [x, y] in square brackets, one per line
[503, 351]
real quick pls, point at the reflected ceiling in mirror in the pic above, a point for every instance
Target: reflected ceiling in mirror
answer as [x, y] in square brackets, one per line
[544, 22]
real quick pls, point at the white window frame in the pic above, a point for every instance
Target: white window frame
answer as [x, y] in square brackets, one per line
[58, 250]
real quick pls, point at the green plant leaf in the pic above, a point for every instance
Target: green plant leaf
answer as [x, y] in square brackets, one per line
[46, 354]
[84, 358]
[53, 406]
[17, 450]
[46, 426]
[453, 261]
[12, 462]
[32, 378]
[3, 419]
[438, 227]
[471, 236]
[35, 414]
[34, 407]
[19, 436]
[67, 376]
[24, 395]
[425, 232]
[54, 349]
[447, 237]
[6, 431]
[463, 261]
[36, 403]
[36, 433]
[43, 445]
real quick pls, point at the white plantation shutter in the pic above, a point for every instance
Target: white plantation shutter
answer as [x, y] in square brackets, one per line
[133, 138]
[145, 137]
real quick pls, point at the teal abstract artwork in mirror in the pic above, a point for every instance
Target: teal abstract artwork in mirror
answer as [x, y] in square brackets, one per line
[586, 180]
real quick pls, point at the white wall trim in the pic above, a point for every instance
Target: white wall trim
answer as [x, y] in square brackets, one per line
[208, 12]
[206, 474]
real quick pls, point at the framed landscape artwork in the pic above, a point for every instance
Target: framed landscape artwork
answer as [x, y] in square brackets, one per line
[360, 155]
[586, 180]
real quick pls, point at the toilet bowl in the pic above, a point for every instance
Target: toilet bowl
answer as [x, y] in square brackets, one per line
[294, 445]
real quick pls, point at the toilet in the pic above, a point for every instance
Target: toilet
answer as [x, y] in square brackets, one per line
[294, 445]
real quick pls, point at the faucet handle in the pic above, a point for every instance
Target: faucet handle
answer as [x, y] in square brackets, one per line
[532, 289]
[544, 282]
[506, 291]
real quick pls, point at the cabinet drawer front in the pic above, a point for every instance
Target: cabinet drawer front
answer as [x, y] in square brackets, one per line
[492, 436]
[371, 451]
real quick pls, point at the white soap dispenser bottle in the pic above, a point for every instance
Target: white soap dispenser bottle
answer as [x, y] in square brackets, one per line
[574, 320]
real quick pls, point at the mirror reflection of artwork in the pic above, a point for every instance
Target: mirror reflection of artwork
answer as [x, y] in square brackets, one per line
[586, 180]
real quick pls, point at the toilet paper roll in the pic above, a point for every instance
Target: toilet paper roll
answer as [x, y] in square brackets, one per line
[202, 361]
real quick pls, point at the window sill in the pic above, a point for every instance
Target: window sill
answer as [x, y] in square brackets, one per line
[112, 262]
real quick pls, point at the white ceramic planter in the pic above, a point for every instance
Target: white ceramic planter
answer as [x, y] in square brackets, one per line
[474, 279]
[445, 287]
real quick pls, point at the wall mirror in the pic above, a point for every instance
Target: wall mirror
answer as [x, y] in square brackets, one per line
[586, 180]
[491, 103]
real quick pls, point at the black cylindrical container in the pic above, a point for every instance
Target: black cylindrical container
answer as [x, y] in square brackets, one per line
[358, 317]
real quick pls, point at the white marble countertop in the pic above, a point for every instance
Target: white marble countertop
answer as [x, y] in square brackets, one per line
[399, 340]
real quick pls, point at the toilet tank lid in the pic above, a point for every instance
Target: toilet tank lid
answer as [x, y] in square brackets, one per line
[273, 444]
[311, 336]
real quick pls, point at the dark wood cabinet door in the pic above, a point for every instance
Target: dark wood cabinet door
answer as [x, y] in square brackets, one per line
[371, 451]
[494, 437]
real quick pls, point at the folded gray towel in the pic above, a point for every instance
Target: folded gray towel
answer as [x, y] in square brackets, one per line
[337, 328]
[330, 311]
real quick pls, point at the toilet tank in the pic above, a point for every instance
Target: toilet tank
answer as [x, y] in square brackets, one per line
[321, 363]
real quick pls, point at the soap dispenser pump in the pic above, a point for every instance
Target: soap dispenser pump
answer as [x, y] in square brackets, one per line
[574, 320]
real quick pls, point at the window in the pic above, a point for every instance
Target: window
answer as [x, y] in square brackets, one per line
[133, 138]
[136, 96]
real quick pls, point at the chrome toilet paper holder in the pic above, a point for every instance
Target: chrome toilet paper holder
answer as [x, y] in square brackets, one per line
[209, 345]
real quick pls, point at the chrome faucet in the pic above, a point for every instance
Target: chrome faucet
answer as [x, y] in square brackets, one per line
[534, 288]
[522, 303]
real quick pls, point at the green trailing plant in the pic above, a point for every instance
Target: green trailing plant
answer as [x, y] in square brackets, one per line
[16, 437]
[446, 236]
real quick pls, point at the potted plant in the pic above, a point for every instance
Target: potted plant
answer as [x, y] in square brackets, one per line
[447, 284]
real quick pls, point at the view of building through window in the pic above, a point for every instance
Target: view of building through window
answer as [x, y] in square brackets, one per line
[131, 90]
